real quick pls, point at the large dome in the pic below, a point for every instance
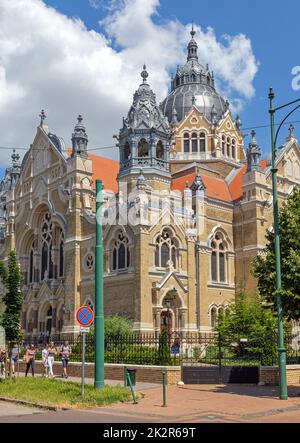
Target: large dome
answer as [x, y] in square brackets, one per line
[193, 85]
[205, 98]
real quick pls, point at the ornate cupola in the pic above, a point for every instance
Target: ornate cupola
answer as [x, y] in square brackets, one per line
[192, 47]
[144, 140]
[79, 140]
[193, 85]
[253, 154]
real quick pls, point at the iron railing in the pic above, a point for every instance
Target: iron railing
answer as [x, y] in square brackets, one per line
[177, 349]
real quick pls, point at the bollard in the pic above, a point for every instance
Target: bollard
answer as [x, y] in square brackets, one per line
[131, 387]
[164, 376]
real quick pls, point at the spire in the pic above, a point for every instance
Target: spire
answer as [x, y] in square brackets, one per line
[144, 74]
[79, 139]
[238, 123]
[253, 154]
[174, 120]
[42, 117]
[192, 47]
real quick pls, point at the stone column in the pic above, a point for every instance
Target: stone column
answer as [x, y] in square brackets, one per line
[35, 322]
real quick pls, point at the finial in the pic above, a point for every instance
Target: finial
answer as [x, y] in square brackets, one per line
[238, 122]
[253, 134]
[79, 118]
[42, 116]
[144, 74]
[291, 130]
[193, 32]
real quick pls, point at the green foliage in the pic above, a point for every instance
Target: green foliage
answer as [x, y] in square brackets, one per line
[163, 348]
[60, 393]
[248, 319]
[13, 299]
[264, 267]
[115, 325]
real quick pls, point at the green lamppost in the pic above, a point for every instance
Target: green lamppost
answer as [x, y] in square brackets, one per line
[99, 312]
[281, 343]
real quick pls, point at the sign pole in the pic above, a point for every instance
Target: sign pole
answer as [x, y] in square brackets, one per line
[82, 362]
[99, 314]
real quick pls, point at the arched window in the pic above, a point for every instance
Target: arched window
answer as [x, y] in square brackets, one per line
[143, 148]
[228, 147]
[31, 268]
[297, 170]
[186, 142]
[90, 304]
[166, 250]
[120, 252]
[233, 148]
[194, 142]
[202, 142]
[193, 78]
[46, 256]
[289, 168]
[213, 317]
[160, 150]
[127, 151]
[219, 259]
[223, 144]
[61, 254]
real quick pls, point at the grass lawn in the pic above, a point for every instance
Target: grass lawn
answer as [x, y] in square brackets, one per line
[61, 394]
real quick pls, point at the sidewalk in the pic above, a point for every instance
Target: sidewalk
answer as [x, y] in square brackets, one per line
[207, 403]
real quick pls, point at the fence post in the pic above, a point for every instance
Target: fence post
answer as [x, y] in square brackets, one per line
[164, 379]
[220, 357]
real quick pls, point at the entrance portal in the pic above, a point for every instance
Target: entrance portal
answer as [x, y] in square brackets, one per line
[166, 323]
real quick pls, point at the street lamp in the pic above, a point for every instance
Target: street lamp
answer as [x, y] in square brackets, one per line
[281, 344]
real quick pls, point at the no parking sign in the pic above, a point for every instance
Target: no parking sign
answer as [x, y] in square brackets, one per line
[85, 317]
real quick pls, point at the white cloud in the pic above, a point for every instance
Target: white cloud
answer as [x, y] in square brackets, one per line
[97, 4]
[51, 61]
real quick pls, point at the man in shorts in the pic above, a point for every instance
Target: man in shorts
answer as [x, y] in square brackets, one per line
[14, 357]
[65, 352]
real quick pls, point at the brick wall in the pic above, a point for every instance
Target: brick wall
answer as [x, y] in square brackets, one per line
[270, 375]
[145, 374]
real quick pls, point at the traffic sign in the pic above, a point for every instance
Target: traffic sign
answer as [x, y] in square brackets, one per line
[85, 316]
[84, 329]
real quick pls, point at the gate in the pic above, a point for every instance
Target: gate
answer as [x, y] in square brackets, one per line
[209, 359]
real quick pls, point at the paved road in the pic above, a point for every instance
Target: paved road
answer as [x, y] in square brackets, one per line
[191, 404]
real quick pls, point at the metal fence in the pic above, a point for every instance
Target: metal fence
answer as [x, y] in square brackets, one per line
[176, 349]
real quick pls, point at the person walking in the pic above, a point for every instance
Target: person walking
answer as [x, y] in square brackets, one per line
[2, 362]
[45, 360]
[65, 352]
[29, 359]
[14, 357]
[52, 351]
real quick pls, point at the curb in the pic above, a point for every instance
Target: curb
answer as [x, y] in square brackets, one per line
[35, 405]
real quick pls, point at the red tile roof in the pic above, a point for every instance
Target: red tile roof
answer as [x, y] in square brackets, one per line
[215, 188]
[236, 185]
[104, 169]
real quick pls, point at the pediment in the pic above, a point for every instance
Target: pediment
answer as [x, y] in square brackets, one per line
[172, 279]
[194, 119]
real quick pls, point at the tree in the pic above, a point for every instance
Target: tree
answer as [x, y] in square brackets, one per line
[3, 277]
[249, 319]
[264, 267]
[116, 325]
[13, 299]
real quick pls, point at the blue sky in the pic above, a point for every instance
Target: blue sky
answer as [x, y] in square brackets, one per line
[49, 60]
[273, 29]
